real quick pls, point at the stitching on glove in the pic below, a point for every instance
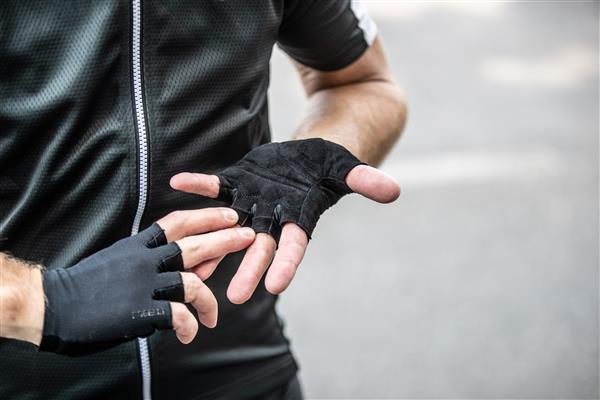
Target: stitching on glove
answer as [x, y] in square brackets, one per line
[165, 263]
[154, 239]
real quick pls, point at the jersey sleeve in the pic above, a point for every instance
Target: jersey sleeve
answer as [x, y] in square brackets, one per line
[325, 34]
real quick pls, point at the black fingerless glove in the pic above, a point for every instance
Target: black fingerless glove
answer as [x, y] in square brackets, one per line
[293, 181]
[114, 295]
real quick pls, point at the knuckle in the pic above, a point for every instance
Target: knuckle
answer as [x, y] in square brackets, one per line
[178, 217]
[254, 275]
[232, 237]
[288, 265]
[287, 275]
[197, 243]
[178, 314]
[220, 212]
[183, 243]
[249, 274]
[263, 252]
[171, 217]
[171, 222]
[191, 282]
[195, 282]
[191, 243]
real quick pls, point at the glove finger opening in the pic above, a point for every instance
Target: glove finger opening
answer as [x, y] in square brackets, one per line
[171, 258]
[244, 207]
[169, 287]
[226, 191]
[153, 236]
[265, 219]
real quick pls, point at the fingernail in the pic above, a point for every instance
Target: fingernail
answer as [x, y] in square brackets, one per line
[246, 232]
[230, 215]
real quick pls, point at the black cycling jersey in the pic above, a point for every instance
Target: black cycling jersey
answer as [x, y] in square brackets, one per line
[101, 102]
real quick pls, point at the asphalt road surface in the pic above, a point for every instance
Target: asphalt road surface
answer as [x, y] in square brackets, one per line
[482, 280]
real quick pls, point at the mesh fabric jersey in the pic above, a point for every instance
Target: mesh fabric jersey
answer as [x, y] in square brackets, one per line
[74, 160]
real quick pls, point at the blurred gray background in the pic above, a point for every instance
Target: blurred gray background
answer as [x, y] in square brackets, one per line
[482, 280]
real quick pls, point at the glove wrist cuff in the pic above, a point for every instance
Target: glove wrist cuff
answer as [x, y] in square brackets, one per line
[50, 338]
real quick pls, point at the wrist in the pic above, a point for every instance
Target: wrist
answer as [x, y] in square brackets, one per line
[22, 302]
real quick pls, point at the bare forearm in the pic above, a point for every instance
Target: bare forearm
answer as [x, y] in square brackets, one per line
[21, 300]
[360, 106]
[366, 118]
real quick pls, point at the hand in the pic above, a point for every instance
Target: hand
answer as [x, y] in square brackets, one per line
[288, 184]
[136, 286]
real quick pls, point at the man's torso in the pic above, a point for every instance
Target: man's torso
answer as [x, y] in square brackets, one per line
[73, 161]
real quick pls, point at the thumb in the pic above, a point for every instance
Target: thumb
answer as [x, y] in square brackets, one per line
[373, 184]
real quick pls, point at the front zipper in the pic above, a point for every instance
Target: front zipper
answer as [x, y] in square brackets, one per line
[142, 142]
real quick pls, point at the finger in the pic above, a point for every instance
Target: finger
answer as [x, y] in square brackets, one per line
[253, 266]
[201, 298]
[204, 185]
[182, 223]
[206, 268]
[184, 323]
[292, 246]
[373, 184]
[199, 248]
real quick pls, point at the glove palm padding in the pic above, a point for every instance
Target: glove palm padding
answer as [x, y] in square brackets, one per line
[293, 181]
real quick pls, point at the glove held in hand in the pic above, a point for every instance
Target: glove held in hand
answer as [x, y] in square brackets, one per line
[293, 181]
[114, 295]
